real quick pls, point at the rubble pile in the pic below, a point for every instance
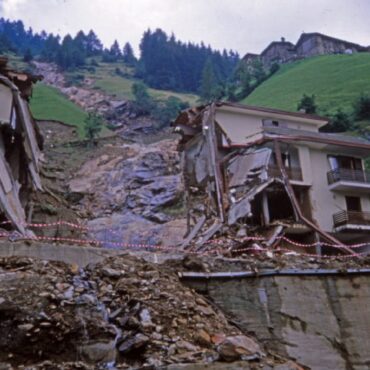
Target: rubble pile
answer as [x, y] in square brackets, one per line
[260, 262]
[123, 312]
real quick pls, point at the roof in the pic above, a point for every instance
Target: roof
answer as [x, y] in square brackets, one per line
[250, 55]
[279, 43]
[359, 145]
[274, 111]
[316, 34]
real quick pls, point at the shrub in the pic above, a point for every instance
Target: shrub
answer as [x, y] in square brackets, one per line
[308, 104]
[362, 107]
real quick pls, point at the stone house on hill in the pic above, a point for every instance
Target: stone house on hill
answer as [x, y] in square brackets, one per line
[308, 45]
[277, 51]
[311, 44]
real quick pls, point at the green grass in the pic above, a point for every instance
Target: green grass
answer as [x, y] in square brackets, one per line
[48, 103]
[335, 80]
[105, 78]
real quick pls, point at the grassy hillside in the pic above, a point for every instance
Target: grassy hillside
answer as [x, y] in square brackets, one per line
[105, 77]
[336, 81]
[48, 103]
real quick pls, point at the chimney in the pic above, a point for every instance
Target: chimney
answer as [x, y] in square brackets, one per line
[283, 39]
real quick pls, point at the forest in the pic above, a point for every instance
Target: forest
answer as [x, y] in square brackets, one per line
[164, 61]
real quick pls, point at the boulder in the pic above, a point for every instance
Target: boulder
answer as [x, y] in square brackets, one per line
[238, 346]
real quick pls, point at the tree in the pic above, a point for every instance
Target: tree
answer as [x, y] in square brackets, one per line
[128, 55]
[209, 84]
[339, 122]
[308, 104]
[93, 124]
[27, 57]
[258, 71]
[143, 103]
[115, 50]
[362, 107]
[93, 44]
[168, 110]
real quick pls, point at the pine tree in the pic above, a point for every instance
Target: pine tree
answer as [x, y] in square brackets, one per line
[115, 50]
[128, 55]
[209, 84]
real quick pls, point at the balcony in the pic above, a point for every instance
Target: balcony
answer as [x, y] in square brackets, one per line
[342, 179]
[351, 220]
[294, 173]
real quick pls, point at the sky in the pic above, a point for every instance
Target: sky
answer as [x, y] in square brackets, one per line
[241, 25]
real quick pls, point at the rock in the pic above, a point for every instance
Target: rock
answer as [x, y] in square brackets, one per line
[86, 299]
[157, 217]
[234, 347]
[115, 313]
[205, 310]
[98, 352]
[129, 345]
[202, 338]
[109, 272]
[183, 344]
[193, 263]
[145, 318]
[290, 365]
[26, 327]
[68, 294]
[218, 338]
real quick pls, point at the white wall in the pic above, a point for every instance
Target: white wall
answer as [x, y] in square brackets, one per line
[238, 126]
[325, 202]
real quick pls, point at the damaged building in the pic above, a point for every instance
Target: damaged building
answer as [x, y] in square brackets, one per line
[20, 146]
[253, 171]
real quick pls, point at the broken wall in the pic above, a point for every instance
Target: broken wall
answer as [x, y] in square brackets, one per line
[20, 153]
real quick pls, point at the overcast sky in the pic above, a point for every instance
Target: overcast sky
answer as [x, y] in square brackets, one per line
[242, 25]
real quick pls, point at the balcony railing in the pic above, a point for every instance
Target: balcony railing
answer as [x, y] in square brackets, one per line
[344, 174]
[351, 217]
[294, 173]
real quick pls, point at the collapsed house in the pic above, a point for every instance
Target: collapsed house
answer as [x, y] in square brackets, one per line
[20, 146]
[259, 171]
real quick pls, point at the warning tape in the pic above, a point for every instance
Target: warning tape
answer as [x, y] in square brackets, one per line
[218, 242]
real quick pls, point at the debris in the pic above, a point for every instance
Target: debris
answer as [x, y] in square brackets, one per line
[234, 348]
[20, 145]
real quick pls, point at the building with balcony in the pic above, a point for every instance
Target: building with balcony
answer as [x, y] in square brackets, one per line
[259, 167]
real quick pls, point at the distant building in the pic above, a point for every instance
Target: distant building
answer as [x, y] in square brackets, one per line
[277, 52]
[311, 44]
[308, 45]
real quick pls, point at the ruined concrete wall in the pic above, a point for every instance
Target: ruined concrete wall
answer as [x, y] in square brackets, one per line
[322, 321]
[238, 126]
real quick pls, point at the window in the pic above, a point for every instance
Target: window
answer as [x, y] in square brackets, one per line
[342, 162]
[353, 204]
